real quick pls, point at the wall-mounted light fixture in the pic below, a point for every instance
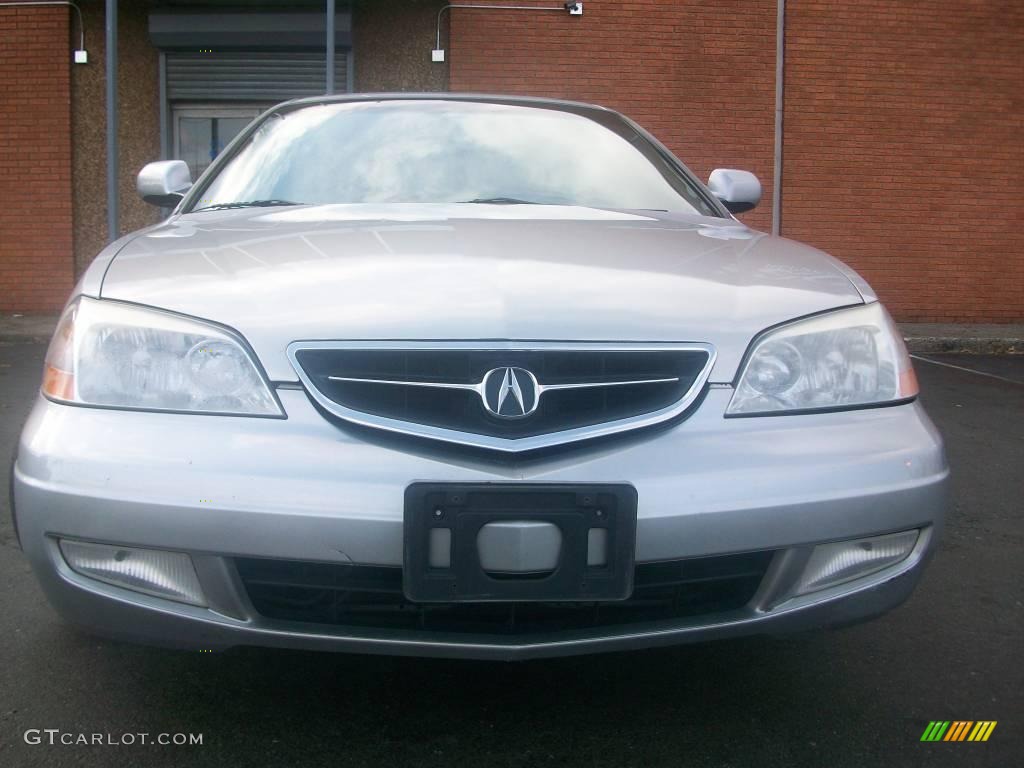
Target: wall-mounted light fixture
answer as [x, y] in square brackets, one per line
[438, 55]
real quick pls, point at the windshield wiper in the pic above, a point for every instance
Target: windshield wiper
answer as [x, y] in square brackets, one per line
[499, 201]
[245, 204]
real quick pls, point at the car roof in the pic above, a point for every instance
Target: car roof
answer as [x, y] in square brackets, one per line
[483, 98]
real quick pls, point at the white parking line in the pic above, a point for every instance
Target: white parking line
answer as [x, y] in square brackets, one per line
[968, 370]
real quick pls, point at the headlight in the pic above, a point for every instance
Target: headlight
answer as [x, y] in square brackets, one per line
[120, 356]
[846, 359]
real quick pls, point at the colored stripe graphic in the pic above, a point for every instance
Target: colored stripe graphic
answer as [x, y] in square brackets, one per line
[958, 730]
[935, 730]
[983, 730]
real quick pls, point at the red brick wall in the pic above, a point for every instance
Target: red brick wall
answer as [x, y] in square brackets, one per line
[699, 75]
[905, 148]
[36, 265]
[904, 121]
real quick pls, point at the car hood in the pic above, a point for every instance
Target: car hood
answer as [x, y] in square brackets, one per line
[523, 272]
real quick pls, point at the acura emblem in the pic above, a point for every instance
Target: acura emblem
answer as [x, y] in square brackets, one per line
[510, 393]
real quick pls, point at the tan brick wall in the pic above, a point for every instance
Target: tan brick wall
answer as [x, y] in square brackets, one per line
[392, 40]
[36, 266]
[138, 130]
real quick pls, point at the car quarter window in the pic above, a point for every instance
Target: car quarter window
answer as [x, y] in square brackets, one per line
[437, 151]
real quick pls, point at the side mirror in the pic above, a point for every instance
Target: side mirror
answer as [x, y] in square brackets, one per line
[164, 183]
[739, 191]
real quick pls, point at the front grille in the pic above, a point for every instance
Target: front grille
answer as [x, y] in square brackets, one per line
[371, 597]
[552, 393]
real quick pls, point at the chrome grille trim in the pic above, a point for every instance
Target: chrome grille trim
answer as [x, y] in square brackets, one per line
[490, 442]
[480, 388]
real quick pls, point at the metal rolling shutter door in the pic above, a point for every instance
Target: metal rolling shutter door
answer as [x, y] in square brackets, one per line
[265, 77]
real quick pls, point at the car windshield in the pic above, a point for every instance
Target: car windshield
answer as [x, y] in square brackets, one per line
[426, 151]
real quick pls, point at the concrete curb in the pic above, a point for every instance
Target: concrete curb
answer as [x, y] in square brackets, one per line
[27, 327]
[937, 345]
[922, 338]
[934, 339]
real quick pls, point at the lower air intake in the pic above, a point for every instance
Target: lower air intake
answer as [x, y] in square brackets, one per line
[371, 597]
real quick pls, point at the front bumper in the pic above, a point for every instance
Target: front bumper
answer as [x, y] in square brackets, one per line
[304, 489]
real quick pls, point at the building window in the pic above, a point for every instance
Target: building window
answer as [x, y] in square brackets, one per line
[202, 132]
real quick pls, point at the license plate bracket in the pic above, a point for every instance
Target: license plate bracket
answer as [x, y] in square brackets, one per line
[465, 508]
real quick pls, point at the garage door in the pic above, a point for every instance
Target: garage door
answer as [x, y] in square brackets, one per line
[264, 77]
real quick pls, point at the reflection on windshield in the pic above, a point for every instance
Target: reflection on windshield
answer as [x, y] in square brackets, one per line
[449, 151]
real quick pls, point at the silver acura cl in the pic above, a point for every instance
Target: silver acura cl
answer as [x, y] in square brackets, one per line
[470, 376]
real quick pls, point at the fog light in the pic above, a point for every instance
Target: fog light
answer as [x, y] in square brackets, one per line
[151, 571]
[842, 561]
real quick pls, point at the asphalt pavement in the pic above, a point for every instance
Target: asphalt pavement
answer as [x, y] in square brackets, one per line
[860, 696]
